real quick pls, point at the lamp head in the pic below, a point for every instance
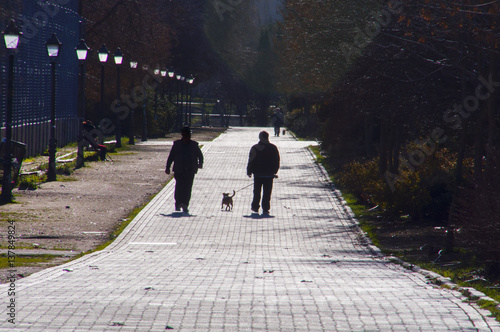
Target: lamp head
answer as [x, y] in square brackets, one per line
[118, 56]
[53, 46]
[82, 50]
[11, 35]
[103, 54]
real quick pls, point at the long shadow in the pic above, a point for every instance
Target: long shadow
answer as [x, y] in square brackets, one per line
[177, 215]
[258, 216]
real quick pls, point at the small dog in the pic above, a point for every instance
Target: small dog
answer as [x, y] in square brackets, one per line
[227, 201]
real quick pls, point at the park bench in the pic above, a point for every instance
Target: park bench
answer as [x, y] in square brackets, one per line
[18, 151]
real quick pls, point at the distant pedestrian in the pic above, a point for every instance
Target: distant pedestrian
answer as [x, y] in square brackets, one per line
[278, 120]
[187, 158]
[263, 163]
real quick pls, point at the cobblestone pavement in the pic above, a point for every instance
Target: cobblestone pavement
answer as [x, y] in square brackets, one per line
[303, 268]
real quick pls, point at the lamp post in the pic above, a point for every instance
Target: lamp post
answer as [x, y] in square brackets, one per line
[177, 97]
[144, 137]
[171, 74]
[131, 139]
[190, 87]
[11, 37]
[183, 95]
[164, 73]
[118, 56]
[103, 57]
[157, 73]
[81, 52]
[53, 47]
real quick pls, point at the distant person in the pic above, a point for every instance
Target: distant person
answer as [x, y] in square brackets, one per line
[263, 163]
[277, 120]
[187, 158]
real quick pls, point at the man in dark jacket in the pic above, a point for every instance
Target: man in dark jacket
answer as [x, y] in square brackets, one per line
[263, 163]
[187, 158]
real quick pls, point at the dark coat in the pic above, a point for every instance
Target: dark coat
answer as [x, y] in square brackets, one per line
[264, 160]
[186, 156]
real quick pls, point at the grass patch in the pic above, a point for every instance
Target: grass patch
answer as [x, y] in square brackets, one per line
[25, 260]
[33, 181]
[29, 182]
[121, 153]
[12, 216]
[19, 245]
[491, 306]
[67, 178]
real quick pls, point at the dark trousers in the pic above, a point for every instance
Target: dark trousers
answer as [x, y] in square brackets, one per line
[264, 184]
[183, 186]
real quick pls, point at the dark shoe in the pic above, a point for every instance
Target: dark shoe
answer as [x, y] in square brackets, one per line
[184, 207]
[265, 213]
[177, 207]
[255, 210]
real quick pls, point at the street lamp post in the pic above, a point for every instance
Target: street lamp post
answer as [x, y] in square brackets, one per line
[11, 38]
[131, 139]
[81, 52]
[183, 95]
[103, 57]
[118, 56]
[171, 74]
[53, 47]
[178, 98]
[144, 137]
[157, 72]
[190, 87]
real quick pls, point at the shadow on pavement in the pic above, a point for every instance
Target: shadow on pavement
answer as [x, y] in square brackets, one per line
[259, 216]
[177, 215]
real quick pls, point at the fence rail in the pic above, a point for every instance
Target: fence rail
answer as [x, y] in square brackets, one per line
[36, 134]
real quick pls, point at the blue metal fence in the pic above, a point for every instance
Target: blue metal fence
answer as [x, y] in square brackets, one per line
[32, 77]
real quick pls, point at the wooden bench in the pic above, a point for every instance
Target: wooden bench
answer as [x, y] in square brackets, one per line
[18, 151]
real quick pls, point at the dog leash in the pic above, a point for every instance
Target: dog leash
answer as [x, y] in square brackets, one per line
[251, 184]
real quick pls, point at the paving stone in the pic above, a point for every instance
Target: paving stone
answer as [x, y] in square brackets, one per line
[302, 268]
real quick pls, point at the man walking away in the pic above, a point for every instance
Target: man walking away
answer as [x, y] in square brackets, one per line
[278, 120]
[263, 163]
[187, 158]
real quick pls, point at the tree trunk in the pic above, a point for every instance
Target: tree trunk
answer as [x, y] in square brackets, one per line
[491, 109]
[478, 145]
[396, 149]
[461, 153]
[368, 133]
[383, 147]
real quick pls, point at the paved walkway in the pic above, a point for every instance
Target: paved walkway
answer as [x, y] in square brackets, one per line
[304, 268]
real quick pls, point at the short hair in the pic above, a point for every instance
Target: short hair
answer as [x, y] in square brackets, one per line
[186, 130]
[264, 135]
